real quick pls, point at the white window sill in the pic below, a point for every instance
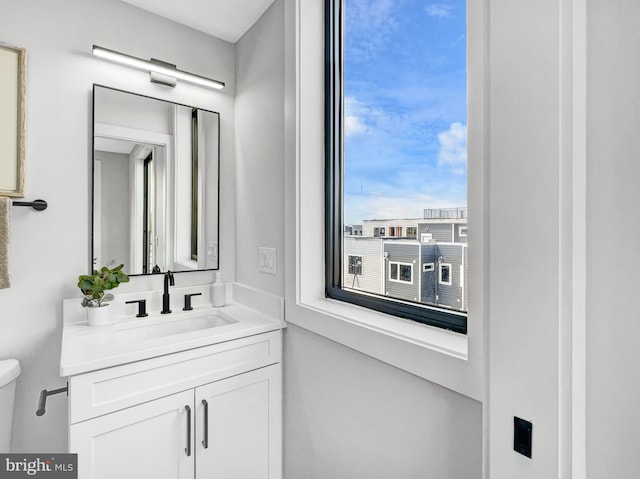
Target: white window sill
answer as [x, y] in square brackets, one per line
[436, 339]
[437, 355]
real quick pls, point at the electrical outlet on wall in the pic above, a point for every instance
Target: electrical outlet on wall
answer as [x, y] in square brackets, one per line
[267, 260]
[522, 436]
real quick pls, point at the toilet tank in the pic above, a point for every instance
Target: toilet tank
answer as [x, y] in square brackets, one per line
[9, 371]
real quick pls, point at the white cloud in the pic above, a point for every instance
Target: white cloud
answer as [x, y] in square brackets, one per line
[369, 23]
[355, 114]
[453, 148]
[439, 10]
[372, 15]
[353, 125]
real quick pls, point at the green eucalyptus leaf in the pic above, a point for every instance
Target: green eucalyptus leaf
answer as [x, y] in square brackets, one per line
[94, 286]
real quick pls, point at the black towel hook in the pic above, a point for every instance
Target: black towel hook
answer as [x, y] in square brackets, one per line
[38, 205]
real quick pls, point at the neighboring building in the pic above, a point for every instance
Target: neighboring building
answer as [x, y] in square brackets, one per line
[446, 284]
[446, 231]
[399, 228]
[433, 273]
[445, 213]
[420, 259]
[353, 230]
[362, 264]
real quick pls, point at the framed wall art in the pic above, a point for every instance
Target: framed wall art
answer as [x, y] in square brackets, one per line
[12, 120]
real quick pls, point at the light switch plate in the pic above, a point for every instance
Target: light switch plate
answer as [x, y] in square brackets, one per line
[267, 260]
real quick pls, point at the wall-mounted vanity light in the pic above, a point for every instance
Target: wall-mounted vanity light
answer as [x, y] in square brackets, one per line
[161, 72]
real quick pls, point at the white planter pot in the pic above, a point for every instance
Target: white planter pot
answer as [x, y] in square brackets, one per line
[98, 316]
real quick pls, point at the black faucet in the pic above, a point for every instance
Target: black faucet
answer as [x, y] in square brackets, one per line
[142, 307]
[168, 281]
[187, 301]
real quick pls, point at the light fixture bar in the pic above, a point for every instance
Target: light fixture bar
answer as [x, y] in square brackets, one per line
[147, 65]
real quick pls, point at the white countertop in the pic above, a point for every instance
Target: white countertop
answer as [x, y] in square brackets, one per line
[88, 348]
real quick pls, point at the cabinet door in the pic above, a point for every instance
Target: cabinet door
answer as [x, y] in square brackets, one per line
[243, 436]
[145, 441]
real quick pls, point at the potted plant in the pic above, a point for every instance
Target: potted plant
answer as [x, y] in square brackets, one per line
[94, 287]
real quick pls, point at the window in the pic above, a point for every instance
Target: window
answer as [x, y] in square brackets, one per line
[395, 129]
[445, 273]
[355, 264]
[426, 237]
[401, 272]
[462, 231]
[395, 231]
[426, 267]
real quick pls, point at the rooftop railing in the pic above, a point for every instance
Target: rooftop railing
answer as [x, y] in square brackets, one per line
[445, 213]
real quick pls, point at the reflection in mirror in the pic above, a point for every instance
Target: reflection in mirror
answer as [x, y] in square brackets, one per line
[155, 184]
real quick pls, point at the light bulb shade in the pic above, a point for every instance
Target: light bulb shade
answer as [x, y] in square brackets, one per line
[149, 66]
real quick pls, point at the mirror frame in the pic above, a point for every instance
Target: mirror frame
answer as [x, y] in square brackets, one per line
[92, 178]
[13, 92]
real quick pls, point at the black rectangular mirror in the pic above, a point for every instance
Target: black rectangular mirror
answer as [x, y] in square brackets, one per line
[155, 184]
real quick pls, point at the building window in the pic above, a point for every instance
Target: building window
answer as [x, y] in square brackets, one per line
[395, 231]
[401, 272]
[462, 231]
[426, 267]
[355, 264]
[445, 274]
[395, 130]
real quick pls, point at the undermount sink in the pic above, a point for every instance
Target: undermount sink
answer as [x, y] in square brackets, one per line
[162, 327]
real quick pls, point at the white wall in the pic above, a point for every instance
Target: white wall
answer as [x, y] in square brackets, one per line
[260, 149]
[349, 416]
[613, 239]
[524, 178]
[114, 203]
[132, 111]
[50, 249]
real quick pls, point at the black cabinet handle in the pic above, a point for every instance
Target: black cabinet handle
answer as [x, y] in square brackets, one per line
[205, 442]
[188, 448]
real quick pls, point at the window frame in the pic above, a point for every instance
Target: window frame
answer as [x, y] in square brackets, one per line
[349, 265]
[398, 280]
[449, 266]
[334, 137]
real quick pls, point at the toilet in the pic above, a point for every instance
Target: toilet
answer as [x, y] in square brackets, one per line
[9, 371]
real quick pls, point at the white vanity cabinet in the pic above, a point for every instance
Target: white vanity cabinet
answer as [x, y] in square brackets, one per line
[208, 412]
[145, 441]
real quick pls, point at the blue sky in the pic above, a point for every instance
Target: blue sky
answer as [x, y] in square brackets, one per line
[405, 108]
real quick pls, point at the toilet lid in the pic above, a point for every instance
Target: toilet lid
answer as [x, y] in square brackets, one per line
[9, 370]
